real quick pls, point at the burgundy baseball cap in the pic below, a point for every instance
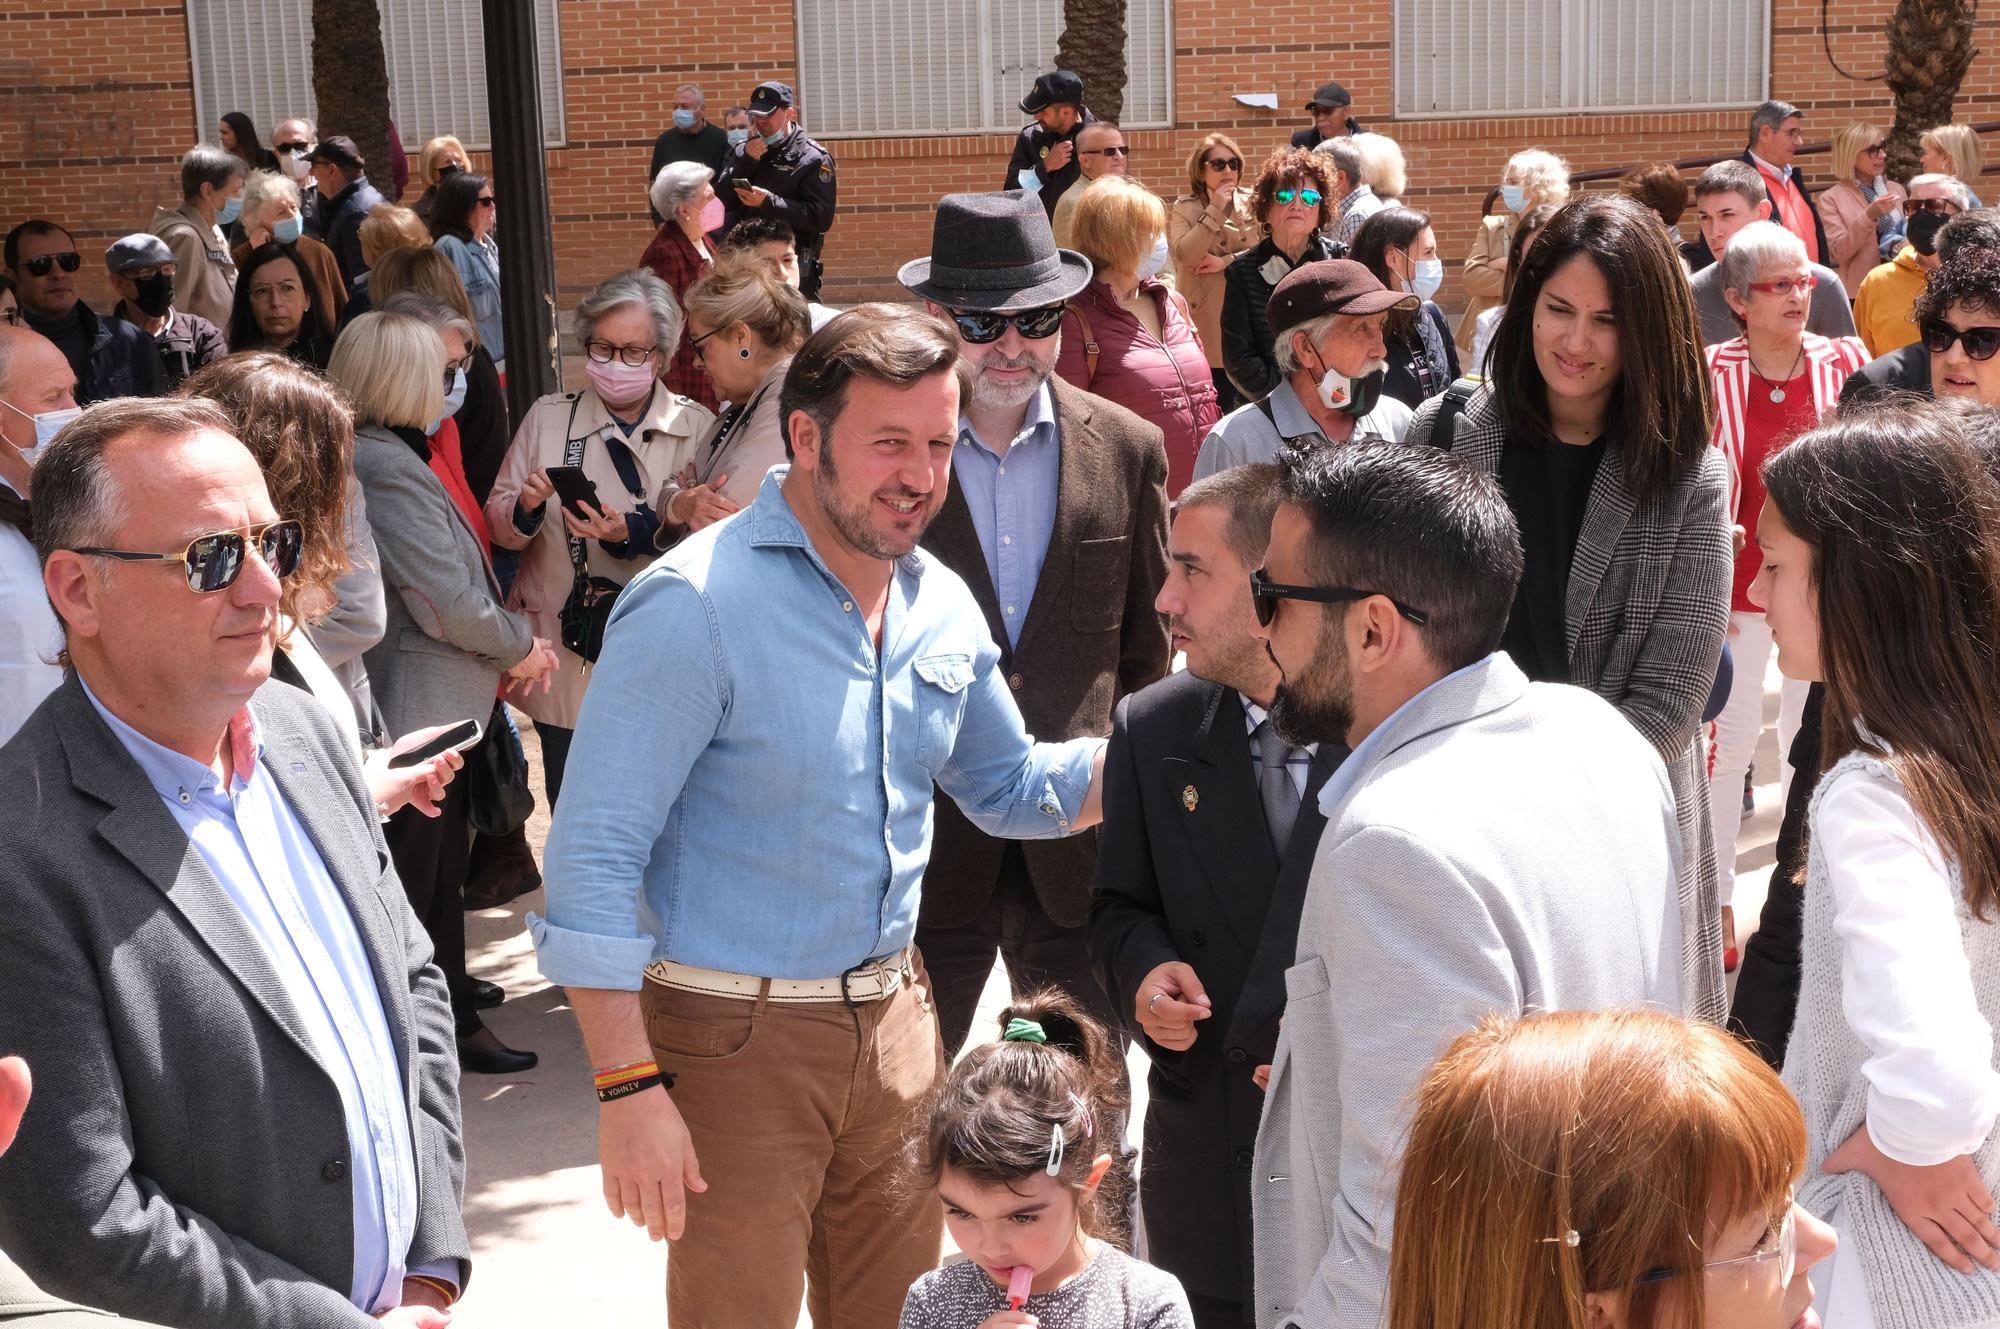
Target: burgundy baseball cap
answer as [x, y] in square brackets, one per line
[1331, 286]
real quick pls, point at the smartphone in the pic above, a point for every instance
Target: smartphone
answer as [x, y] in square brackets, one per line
[574, 487]
[458, 738]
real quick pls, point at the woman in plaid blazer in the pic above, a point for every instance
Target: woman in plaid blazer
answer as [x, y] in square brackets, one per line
[1596, 420]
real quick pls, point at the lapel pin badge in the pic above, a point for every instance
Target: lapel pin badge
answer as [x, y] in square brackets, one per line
[1190, 799]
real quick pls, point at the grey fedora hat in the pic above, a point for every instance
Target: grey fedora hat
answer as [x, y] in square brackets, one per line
[995, 253]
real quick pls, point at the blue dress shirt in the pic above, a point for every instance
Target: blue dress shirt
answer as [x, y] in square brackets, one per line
[267, 865]
[780, 823]
[1351, 772]
[1012, 499]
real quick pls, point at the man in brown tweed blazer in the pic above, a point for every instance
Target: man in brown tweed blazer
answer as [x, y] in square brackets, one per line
[1057, 520]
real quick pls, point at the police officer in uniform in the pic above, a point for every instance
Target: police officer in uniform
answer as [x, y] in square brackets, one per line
[780, 172]
[1046, 150]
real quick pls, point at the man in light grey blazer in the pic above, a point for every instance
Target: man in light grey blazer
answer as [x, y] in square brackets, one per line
[1492, 845]
[244, 1050]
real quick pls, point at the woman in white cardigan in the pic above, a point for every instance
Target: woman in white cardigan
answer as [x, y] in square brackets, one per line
[1881, 578]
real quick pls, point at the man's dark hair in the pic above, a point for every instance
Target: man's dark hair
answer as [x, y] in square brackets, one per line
[1971, 278]
[754, 231]
[1411, 523]
[896, 344]
[1733, 177]
[1248, 495]
[1660, 408]
[1978, 227]
[33, 227]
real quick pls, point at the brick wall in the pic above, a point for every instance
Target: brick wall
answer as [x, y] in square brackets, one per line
[96, 104]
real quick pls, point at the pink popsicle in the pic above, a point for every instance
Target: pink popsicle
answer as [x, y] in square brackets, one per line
[1018, 1284]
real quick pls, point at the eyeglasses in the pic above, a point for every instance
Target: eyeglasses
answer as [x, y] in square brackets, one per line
[69, 261]
[486, 200]
[1913, 206]
[1939, 336]
[1876, 149]
[1118, 151]
[1265, 594]
[1309, 197]
[462, 364]
[980, 327]
[1224, 163]
[214, 562]
[1785, 1251]
[1784, 286]
[604, 353]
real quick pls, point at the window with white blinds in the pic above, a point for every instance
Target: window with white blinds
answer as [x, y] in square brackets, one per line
[255, 56]
[917, 67]
[1507, 57]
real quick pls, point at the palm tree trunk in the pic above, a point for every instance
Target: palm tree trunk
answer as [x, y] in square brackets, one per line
[1930, 48]
[1092, 45]
[351, 80]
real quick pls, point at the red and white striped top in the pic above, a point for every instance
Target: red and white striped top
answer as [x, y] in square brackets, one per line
[1829, 361]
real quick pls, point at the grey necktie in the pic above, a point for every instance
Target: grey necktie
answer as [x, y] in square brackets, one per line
[1274, 785]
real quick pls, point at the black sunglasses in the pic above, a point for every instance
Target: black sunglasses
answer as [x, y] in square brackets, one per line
[1224, 163]
[291, 147]
[1913, 206]
[980, 328]
[69, 261]
[1265, 594]
[485, 200]
[1938, 336]
[1119, 151]
[214, 562]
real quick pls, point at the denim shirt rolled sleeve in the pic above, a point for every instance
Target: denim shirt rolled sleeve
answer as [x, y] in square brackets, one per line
[784, 823]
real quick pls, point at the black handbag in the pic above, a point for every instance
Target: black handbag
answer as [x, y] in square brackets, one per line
[588, 609]
[497, 797]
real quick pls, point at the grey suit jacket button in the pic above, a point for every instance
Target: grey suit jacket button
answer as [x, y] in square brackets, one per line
[334, 1171]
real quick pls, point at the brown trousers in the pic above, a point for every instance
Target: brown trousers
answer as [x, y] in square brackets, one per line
[799, 1114]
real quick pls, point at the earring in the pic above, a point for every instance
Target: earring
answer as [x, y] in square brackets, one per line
[743, 352]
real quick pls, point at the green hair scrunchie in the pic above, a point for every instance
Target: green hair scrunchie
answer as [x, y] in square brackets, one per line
[1023, 1031]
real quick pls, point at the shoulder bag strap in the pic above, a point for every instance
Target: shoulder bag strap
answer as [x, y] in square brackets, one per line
[1445, 426]
[1090, 347]
[573, 456]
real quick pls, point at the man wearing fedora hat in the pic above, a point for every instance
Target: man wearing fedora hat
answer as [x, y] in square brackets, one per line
[1326, 321]
[1045, 160]
[1328, 108]
[1058, 523]
[780, 172]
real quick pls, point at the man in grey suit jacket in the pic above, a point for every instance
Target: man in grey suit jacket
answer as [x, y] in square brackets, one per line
[246, 1050]
[1492, 845]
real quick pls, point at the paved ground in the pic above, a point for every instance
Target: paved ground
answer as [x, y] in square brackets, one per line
[547, 1251]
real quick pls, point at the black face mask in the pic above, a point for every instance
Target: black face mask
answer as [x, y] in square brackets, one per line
[156, 294]
[1923, 229]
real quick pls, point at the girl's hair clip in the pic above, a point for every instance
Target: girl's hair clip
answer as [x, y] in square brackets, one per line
[1083, 1109]
[1056, 1146]
[1569, 1238]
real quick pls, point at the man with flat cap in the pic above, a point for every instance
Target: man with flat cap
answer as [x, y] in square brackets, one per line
[342, 176]
[780, 172]
[1044, 161]
[1057, 521]
[1328, 108]
[1326, 325]
[142, 271]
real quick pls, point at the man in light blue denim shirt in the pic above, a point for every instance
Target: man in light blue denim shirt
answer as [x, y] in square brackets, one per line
[733, 881]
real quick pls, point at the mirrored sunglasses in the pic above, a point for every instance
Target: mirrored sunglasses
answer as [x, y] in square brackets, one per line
[214, 562]
[980, 327]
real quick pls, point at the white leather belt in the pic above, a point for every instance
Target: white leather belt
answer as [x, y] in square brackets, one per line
[863, 983]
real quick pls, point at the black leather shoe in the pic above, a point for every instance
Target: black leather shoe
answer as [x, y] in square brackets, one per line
[484, 1054]
[487, 995]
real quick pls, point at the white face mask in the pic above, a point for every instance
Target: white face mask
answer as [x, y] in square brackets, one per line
[1151, 264]
[295, 164]
[47, 425]
[1356, 395]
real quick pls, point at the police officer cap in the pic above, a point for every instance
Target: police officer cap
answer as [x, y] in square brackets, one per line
[1057, 88]
[143, 250]
[768, 97]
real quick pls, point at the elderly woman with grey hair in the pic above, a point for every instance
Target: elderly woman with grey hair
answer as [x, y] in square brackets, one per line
[1771, 383]
[681, 254]
[630, 435]
[211, 199]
